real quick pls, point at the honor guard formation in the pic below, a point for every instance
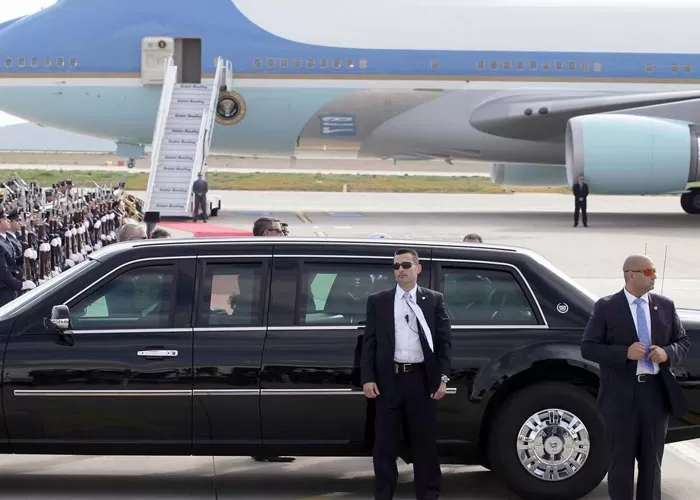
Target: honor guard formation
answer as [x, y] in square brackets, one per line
[45, 231]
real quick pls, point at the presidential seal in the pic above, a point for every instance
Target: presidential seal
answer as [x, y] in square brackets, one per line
[230, 109]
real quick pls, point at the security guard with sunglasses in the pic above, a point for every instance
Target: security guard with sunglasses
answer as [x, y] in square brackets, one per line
[405, 369]
[636, 336]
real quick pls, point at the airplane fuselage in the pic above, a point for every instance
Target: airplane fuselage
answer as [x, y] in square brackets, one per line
[386, 79]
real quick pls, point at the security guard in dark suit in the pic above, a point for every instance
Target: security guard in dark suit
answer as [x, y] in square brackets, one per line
[10, 277]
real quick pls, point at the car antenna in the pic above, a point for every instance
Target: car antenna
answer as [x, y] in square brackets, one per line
[663, 273]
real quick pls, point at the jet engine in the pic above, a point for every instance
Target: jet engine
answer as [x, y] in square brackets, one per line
[528, 174]
[626, 154]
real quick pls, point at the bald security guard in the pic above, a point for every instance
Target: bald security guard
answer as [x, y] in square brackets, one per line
[636, 337]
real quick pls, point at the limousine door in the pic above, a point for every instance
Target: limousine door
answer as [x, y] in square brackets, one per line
[228, 341]
[119, 381]
[311, 391]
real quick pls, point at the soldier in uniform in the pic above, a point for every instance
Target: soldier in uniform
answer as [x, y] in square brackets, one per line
[13, 236]
[10, 282]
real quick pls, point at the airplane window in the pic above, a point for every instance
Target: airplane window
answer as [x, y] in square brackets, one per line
[533, 65]
[20, 62]
[60, 62]
[597, 67]
[351, 63]
[270, 63]
[559, 66]
[674, 68]
[324, 63]
[363, 63]
[434, 65]
[482, 65]
[47, 62]
[309, 63]
[572, 65]
[650, 67]
[283, 63]
[73, 62]
[494, 65]
[520, 66]
[546, 66]
[297, 63]
[336, 63]
[688, 68]
[35, 62]
[8, 62]
[506, 64]
[257, 63]
[584, 66]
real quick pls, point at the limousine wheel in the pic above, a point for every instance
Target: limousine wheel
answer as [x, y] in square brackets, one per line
[548, 442]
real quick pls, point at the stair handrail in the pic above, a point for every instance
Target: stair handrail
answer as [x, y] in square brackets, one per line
[166, 95]
[208, 121]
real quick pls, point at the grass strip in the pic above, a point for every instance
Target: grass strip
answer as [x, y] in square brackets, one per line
[291, 182]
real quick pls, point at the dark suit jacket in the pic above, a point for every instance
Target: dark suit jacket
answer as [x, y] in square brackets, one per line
[580, 191]
[608, 334]
[8, 263]
[377, 362]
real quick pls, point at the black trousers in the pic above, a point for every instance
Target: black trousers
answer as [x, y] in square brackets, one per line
[580, 206]
[638, 433]
[200, 202]
[409, 404]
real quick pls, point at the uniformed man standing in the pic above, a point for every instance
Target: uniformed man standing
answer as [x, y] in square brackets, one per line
[10, 281]
[200, 188]
[13, 236]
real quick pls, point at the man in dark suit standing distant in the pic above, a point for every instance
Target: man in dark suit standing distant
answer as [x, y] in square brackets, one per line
[636, 337]
[580, 190]
[405, 366]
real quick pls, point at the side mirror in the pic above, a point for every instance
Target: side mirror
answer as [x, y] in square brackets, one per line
[60, 317]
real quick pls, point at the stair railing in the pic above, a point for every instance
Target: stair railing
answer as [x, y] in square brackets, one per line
[166, 97]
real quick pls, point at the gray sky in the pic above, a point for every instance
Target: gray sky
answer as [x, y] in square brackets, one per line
[11, 10]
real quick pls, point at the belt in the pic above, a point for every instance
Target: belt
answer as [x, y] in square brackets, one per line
[407, 367]
[645, 377]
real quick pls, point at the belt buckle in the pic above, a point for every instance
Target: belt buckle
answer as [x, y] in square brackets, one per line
[406, 367]
[641, 378]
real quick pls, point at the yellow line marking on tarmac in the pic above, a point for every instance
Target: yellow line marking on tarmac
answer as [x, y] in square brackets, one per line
[320, 234]
[303, 218]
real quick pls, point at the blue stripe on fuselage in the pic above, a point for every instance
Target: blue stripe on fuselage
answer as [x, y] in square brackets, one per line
[105, 37]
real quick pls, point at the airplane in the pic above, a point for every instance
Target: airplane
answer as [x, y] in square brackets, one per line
[545, 90]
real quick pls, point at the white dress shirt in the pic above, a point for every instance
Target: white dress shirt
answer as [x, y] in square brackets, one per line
[641, 369]
[407, 346]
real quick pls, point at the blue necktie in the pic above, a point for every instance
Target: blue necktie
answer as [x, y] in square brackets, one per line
[643, 333]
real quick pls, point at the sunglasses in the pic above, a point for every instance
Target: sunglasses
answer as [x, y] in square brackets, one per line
[646, 272]
[405, 265]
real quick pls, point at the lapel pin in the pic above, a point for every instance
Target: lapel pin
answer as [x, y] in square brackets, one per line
[656, 308]
[423, 297]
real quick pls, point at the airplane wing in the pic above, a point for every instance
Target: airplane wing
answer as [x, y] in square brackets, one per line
[541, 117]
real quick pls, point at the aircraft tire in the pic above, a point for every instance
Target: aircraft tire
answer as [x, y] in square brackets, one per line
[690, 202]
[530, 405]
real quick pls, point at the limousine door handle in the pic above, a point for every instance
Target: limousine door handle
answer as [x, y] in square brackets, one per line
[158, 353]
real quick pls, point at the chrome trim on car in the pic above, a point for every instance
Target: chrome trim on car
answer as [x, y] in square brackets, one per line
[226, 392]
[129, 330]
[325, 392]
[205, 329]
[102, 392]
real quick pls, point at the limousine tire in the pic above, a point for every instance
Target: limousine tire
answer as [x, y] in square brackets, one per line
[542, 433]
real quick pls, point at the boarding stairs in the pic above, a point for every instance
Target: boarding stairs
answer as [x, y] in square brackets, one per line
[182, 139]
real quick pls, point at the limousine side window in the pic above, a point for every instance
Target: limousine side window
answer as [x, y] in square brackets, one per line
[230, 295]
[337, 294]
[142, 297]
[485, 297]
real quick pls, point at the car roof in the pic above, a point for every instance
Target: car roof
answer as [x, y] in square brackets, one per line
[288, 240]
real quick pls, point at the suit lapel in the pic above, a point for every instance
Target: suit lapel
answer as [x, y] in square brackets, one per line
[627, 315]
[389, 304]
[421, 300]
[656, 330]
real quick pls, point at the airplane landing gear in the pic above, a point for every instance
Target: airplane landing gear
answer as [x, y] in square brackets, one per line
[690, 201]
[131, 163]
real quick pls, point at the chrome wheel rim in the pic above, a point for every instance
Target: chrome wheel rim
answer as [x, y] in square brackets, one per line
[553, 444]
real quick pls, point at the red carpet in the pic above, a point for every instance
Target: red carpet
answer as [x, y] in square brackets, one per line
[202, 230]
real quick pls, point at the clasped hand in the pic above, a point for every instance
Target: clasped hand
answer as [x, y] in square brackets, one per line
[637, 351]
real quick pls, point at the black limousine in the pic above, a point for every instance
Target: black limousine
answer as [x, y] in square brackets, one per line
[250, 346]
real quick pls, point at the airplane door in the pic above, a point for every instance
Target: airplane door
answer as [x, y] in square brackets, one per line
[188, 59]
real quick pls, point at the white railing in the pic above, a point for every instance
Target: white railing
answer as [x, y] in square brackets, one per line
[207, 127]
[166, 96]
